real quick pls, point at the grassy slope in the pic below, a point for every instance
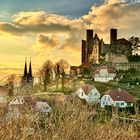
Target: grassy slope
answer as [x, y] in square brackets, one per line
[102, 87]
[71, 121]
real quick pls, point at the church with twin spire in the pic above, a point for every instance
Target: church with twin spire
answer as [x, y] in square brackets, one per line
[27, 80]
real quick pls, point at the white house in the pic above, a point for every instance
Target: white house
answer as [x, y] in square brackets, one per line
[117, 98]
[104, 74]
[42, 106]
[15, 107]
[89, 93]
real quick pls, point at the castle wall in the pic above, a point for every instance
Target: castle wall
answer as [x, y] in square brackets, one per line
[121, 49]
[116, 58]
[126, 66]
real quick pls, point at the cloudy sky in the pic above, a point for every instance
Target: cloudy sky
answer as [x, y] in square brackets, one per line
[53, 29]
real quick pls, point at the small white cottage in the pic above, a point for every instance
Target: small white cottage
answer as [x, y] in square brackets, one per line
[15, 107]
[104, 74]
[42, 106]
[117, 98]
[88, 93]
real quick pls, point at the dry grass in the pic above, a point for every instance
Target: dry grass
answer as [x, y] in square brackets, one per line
[71, 121]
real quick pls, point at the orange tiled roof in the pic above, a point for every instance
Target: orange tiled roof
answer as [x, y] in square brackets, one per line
[121, 95]
[85, 65]
[87, 88]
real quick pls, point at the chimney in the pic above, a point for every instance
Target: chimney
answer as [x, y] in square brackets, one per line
[113, 36]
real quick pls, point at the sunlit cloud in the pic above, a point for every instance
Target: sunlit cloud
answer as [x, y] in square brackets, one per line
[52, 36]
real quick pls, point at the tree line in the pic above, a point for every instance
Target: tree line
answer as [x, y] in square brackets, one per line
[50, 74]
[54, 74]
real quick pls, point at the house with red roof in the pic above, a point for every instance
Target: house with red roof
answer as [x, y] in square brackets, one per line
[104, 74]
[88, 93]
[117, 98]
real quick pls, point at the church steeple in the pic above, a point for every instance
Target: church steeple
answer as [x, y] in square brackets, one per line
[30, 69]
[27, 80]
[25, 68]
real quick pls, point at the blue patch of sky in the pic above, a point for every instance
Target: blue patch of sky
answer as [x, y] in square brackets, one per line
[72, 8]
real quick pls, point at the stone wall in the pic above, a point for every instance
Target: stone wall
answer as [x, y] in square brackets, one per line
[119, 66]
[126, 66]
[116, 58]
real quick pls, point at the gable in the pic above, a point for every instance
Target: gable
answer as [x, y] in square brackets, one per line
[17, 101]
[95, 91]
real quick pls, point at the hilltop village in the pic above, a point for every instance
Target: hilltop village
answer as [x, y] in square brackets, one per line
[95, 52]
[107, 66]
[107, 83]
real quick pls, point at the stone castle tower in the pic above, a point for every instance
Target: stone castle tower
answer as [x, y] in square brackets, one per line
[91, 48]
[95, 51]
[27, 79]
[113, 36]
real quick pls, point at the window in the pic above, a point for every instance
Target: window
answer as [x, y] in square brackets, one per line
[128, 104]
[117, 104]
[122, 104]
[95, 94]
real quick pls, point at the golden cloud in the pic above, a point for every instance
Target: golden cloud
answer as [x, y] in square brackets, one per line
[116, 14]
[59, 36]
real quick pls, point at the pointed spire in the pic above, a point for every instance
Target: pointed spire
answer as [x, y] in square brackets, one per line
[25, 68]
[30, 68]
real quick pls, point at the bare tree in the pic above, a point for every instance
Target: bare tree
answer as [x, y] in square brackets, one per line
[10, 83]
[57, 73]
[46, 74]
[62, 65]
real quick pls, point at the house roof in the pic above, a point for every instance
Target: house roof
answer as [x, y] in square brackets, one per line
[19, 100]
[73, 67]
[120, 95]
[85, 65]
[87, 88]
[109, 69]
